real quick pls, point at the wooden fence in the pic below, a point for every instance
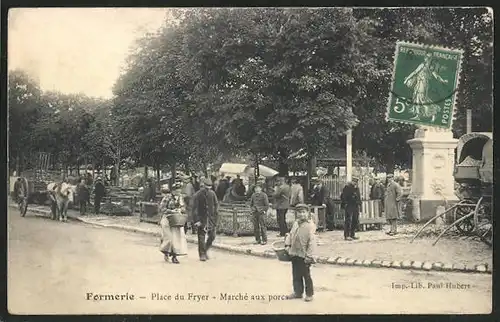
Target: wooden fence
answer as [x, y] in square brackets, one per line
[336, 184]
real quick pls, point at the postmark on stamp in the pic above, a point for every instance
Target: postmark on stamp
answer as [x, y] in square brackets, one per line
[424, 85]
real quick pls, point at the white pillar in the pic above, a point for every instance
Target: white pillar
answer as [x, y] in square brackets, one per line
[433, 184]
[349, 155]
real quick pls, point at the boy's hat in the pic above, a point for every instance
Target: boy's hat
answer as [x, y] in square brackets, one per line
[302, 206]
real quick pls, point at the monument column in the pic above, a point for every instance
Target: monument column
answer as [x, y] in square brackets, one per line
[433, 184]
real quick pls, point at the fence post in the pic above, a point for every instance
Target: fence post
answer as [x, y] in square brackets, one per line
[235, 222]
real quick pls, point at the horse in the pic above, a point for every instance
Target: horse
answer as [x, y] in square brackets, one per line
[60, 194]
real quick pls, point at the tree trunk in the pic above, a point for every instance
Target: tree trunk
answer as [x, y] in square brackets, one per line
[205, 172]
[158, 176]
[117, 167]
[257, 170]
[145, 172]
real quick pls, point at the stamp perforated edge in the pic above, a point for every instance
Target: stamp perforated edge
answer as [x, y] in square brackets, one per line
[460, 52]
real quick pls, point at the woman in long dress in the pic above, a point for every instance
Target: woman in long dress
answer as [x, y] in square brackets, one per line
[173, 238]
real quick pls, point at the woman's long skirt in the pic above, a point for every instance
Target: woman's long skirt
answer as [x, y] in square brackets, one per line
[173, 239]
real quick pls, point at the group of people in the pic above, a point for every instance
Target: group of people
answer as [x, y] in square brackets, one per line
[83, 192]
[201, 208]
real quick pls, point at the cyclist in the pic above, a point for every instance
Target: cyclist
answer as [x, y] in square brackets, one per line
[21, 194]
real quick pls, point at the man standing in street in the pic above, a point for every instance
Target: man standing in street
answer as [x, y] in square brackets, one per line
[321, 197]
[83, 196]
[351, 203]
[222, 187]
[99, 192]
[188, 199]
[297, 193]
[281, 203]
[259, 203]
[392, 197]
[377, 192]
[205, 208]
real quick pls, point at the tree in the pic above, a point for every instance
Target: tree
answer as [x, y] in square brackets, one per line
[24, 110]
[456, 28]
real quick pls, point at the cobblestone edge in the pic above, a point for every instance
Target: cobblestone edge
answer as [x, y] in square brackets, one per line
[405, 265]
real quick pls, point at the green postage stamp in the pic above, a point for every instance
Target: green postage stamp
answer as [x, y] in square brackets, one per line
[424, 85]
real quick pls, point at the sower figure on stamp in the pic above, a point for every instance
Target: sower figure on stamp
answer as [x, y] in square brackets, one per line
[392, 197]
[418, 81]
[300, 244]
[351, 203]
[205, 208]
[259, 203]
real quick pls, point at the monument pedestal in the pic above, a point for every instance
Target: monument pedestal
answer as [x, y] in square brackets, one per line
[433, 184]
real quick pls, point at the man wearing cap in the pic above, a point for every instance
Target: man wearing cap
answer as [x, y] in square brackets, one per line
[350, 199]
[205, 207]
[300, 244]
[321, 197]
[391, 203]
[281, 203]
[259, 203]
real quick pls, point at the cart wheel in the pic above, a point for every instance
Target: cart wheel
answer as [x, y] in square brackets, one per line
[483, 212]
[485, 233]
[465, 227]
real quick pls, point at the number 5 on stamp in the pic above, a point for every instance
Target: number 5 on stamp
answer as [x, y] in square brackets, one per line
[424, 85]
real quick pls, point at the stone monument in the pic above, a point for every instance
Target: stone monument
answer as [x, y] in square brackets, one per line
[433, 184]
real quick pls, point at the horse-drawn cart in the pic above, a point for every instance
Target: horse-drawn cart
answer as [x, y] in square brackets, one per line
[472, 215]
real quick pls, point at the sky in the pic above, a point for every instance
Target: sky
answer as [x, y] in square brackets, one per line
[77, 50]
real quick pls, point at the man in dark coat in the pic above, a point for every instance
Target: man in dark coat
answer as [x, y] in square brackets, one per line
[238, 186]
[205, 214]
[114, 177]
[377, 192]
[99, 193]
[281, 202]
[351, 202]
[321, 197]
[83, 196]
[222, 188]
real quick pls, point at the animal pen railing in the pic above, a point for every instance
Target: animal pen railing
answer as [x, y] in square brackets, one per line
[371, 213]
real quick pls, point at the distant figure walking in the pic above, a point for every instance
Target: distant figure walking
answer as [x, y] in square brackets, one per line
[173, 241]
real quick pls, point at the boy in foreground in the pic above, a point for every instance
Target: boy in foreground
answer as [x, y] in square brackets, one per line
[299, 244]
